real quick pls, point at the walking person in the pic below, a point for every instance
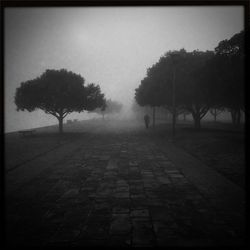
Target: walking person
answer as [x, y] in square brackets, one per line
[146, 120]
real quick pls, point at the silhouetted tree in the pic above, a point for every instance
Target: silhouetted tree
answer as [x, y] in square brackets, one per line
[109, 107]
[228, 74]
[59, 93]
[191, 88]
[215, 112]
[193, 91]
[151, 92]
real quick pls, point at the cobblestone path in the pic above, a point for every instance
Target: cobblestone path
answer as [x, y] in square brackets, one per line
[113, 190]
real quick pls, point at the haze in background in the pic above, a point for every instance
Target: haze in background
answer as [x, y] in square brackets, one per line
[110, 46]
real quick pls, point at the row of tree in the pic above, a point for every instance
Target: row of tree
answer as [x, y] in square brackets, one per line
[162, 113]
[109, 107]
[59, 93]
[197, 81]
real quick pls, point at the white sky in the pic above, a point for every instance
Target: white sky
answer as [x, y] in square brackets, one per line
[110, 46]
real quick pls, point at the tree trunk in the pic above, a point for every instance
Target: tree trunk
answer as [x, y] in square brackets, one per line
[103, 116]
[238, 118]
[215, 114]
[153, 117]
[184, 117]
[197, 121]
[60, 125]
[235, 114]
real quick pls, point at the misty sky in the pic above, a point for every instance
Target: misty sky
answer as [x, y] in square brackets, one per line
[110, 46]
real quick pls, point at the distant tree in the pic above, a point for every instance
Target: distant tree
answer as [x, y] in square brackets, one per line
[109, 107]
[59, 93]
[94, 98]
[215, 112]
[184, 112]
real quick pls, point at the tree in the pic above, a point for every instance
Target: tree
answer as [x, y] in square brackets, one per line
[193, 91]
[59, 93]
[215, 112]
[228, 74]
[109, 107]
[151, 92]
[94, 98]
[191, 88]
[197, 81]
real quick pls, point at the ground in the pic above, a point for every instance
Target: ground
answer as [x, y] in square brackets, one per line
[118, 184]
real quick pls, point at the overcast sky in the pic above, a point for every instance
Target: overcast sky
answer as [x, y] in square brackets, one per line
[110, 46]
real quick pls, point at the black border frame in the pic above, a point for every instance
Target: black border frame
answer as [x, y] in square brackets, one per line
[123, 3]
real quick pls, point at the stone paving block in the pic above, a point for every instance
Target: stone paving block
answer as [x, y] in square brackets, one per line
[90, 243]
[142, 234]
[147, 172]
[95, 230]
[121, 195]
[166, 233]
[112, 164]
[64, 235]
[161, 213]
[70, 194]
[134, 169]
[134, 177]
[156, 202]
[120, 210]
[133, 163]
[104, 157]
[120, 224]
[139, 203]
[136, 189]
[110, 173]
[124, 202]
[99, 213]
[135, 182]
[164, 180]
[121, 183]
[121, 240]
[176, 175]
[138, 196]
[121, 189]
[108, 192]
[139, 213]
[149, 185]
[87, 189]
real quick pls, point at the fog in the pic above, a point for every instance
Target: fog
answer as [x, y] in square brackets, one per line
[110, 46]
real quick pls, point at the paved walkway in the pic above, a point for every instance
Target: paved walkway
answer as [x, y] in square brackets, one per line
[121, 190]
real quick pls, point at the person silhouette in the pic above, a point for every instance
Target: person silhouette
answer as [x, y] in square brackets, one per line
[146, 120]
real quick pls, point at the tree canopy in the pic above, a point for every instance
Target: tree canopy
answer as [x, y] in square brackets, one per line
[184, 69]
[228, 74]
[59, 93]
